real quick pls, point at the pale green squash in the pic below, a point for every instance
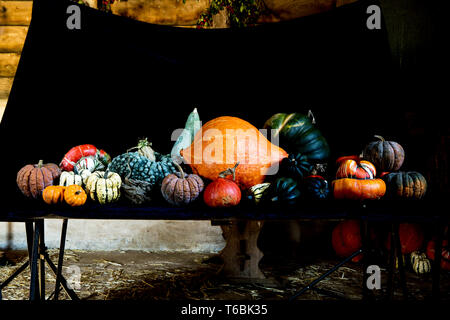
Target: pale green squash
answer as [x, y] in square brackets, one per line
[193, 124]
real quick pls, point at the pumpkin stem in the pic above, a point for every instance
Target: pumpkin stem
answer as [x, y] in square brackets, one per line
[141, 143]
[129, 169]
[229, 171]
[106, 175]
[179, 169]
[40, 163]
[379, 137]
[77, 192]
[132, 148]
[311, 116]
[144, 143]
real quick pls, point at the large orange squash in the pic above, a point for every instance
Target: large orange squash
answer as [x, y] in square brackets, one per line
[223, 141]
[358, 189]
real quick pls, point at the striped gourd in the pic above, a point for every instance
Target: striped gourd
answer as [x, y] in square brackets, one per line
[104, 187]
[419, 262]
[257, 191]
[68, 178]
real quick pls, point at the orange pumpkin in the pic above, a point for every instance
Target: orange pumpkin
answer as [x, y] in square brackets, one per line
[53, 194]
[356, 168]
[223, 141]
[356, 189]
[346, 239]
[75, 196]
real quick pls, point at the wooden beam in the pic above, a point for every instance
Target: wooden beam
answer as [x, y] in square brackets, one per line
[5, 86]
[15, 13]
[12, 38]
[8, 64]
[291, 9]
[2, 107]
[167, 12]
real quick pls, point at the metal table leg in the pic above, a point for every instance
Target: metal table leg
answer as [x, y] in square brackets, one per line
[15, 274]
[366, 246]
[42, 250]
[61, 258]
[29, 233]
[34, 281]
[37, 250]
[63, 281]
[326, 274]
[439, 229]
[401, 267]
[391, 267]
[396, 253]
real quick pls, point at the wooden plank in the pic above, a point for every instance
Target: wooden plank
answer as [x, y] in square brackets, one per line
[8, 64]
[291, 9]
[174, 12]
[167, 12]
[15, 13]
[12, 38]
[2, 107]
[5, 86]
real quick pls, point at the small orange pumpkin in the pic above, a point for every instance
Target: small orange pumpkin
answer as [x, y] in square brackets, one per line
[223, 141]
[53, 194]
[75, 196]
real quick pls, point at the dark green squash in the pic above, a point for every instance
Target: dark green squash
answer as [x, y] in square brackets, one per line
[385, 155]
[295, 166]
[411, 185]
[283, 190]
[315, 187]
[298, 134]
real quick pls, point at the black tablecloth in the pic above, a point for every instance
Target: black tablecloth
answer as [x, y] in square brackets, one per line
[117, 80]
[375, 210]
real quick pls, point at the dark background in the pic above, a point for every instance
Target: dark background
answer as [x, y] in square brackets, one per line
[117, 80]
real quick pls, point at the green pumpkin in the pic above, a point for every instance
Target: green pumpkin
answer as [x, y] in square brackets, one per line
[298, 134]
[296, 166]
[133, 165]
[283, 190]
[410, 185]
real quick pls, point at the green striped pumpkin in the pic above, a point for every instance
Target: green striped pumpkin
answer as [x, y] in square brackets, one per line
[256, 192]
[298, 134]
[420, 263]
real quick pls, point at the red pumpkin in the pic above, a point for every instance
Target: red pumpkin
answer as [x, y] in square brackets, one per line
[445, 253]
[411, 237]
[76, 153]
[223, 192]
[346, 239]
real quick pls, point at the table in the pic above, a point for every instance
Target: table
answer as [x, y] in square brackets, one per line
[240, 225]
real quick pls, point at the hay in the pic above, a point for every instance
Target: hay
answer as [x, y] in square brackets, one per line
[176, 276]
